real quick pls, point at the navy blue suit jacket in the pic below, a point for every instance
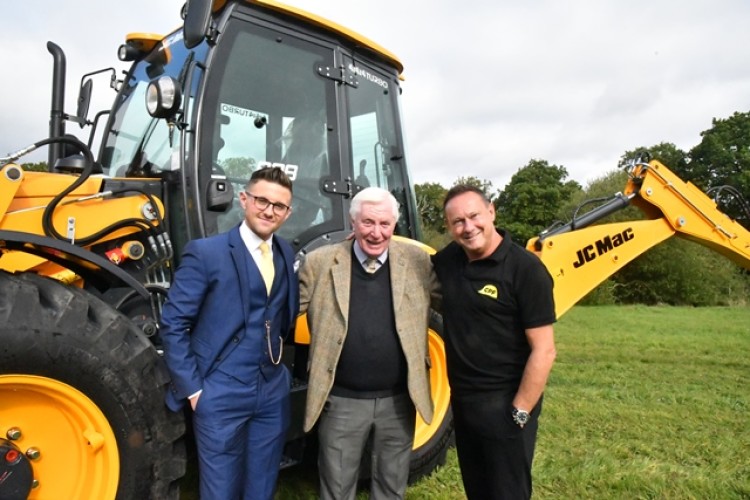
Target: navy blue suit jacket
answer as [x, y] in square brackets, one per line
[207, 306]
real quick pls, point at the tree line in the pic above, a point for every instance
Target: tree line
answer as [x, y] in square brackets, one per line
[676, 272]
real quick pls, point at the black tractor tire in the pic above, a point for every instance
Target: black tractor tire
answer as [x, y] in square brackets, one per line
[68, 335]
[426, 458]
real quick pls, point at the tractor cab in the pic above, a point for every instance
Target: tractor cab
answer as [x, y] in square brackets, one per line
[261, 88]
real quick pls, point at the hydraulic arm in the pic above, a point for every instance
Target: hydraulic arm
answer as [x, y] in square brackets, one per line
[580, 256]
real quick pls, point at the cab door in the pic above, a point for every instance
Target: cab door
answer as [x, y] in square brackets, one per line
[267, 103]
[374, 144]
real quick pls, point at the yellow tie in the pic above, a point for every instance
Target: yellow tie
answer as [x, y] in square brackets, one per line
[266, 265]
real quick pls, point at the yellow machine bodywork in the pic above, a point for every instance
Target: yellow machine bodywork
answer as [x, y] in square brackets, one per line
[86, 210]
[328, 26]
[581, 259]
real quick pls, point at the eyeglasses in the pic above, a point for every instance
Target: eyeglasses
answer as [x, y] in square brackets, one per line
[263, 203]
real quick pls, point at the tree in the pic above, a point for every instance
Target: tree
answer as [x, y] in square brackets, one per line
[483, 184]
[239, 168]
[532, 199]
[723, 159]
[35, 167]
[430, 197]
[597, 192]
[667, 153]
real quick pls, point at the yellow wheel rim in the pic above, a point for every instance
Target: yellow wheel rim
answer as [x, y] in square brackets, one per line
[78, 451]
[441, 393]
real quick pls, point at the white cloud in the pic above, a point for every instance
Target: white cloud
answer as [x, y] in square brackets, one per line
[490, 84]
[88, 32]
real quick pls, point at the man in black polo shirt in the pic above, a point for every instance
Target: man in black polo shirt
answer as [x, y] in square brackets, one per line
[367, 304]
[498, 312]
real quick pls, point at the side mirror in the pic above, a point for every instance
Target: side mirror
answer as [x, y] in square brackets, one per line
[84, 101]
[197, 19]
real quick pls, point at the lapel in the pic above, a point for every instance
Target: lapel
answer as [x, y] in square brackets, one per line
[341, 276]
[278, 264]
[238, 250]
[398, 274]
[287, 257]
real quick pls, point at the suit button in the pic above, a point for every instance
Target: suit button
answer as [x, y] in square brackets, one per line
[330, 370]
[339, 341]
[235, 339]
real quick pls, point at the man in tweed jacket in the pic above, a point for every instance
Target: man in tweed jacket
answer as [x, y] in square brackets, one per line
[369, 363]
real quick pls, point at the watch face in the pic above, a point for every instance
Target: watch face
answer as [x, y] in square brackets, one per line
[520, 416]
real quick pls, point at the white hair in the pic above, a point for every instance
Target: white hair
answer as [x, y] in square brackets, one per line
[373, 195]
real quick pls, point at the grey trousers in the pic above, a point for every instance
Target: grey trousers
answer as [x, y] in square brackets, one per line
[344, 428]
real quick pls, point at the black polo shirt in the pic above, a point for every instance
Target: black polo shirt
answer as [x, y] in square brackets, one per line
[487, 306]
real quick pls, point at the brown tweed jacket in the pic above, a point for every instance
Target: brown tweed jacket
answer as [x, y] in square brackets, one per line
[325, 281]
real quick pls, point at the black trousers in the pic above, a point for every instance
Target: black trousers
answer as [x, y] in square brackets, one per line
[494, 453]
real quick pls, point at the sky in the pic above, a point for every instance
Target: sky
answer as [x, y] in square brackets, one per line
[489, 84]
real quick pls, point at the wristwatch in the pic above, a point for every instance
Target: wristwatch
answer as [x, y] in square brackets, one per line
[520, 417]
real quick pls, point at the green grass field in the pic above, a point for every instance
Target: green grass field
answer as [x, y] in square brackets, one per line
[643, 403]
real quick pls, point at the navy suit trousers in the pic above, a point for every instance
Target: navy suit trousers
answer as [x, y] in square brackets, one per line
[224, 430]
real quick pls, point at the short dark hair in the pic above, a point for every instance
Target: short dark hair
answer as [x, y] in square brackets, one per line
[271, 174]
[461, 189]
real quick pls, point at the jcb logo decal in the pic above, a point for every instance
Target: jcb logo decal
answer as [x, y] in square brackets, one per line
[590, 252]
[489, 291]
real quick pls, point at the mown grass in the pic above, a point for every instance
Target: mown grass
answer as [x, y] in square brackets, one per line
[643, 403]
[648, 402]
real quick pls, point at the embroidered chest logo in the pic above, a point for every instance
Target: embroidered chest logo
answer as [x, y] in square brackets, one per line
[489, 291]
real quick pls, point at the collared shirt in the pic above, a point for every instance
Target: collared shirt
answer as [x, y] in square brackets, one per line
[488, 304]
[252, 242]
[362, 256]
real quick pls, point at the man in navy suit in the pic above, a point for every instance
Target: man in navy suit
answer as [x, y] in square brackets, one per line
[223, 329]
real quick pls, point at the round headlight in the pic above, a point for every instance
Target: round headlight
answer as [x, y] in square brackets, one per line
[127, 52]
[152, 98]
[163, 97]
